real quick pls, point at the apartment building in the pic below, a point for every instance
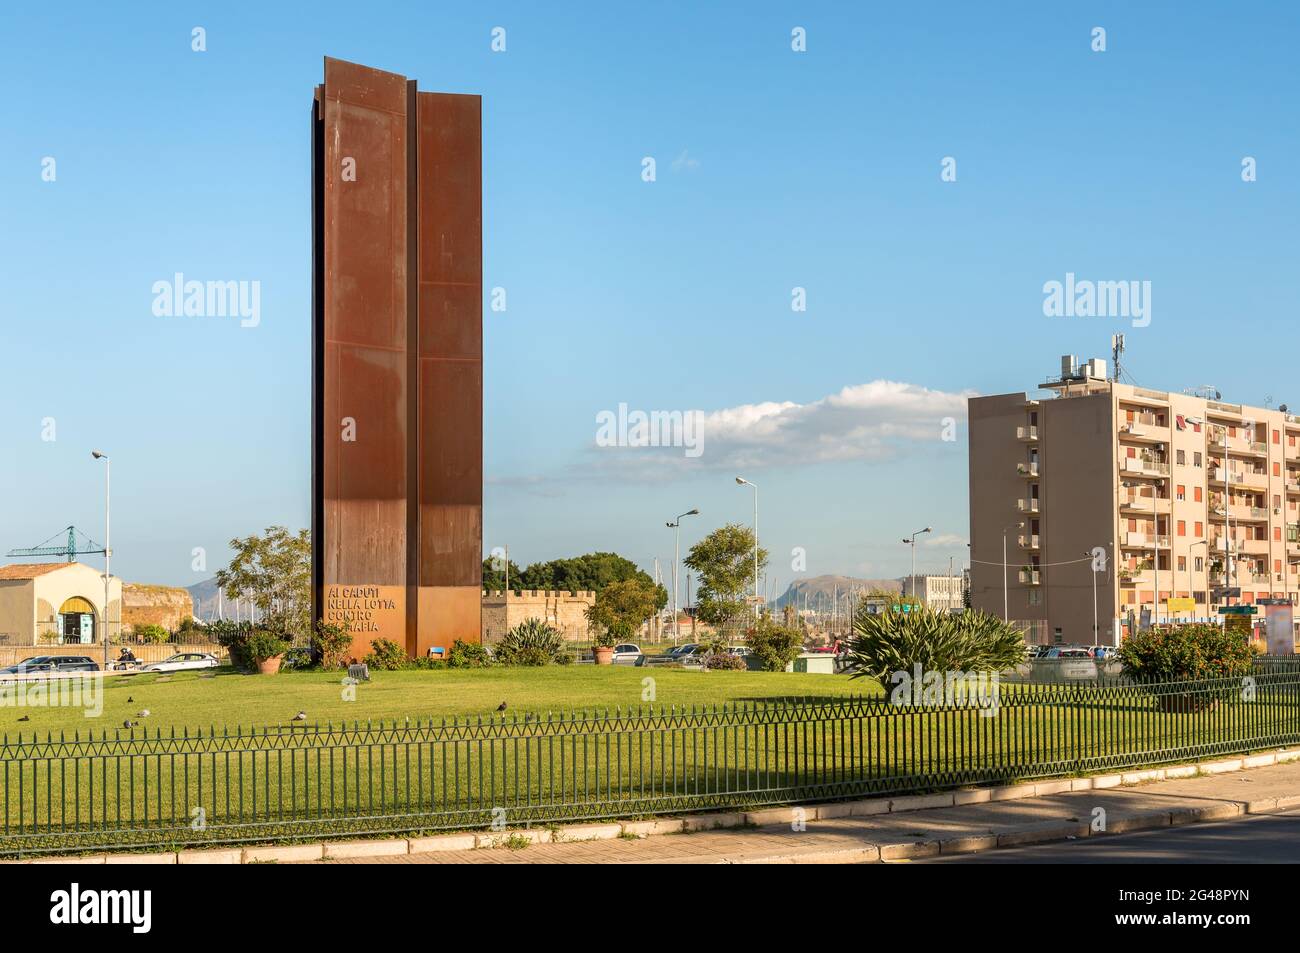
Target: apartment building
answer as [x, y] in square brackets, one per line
[1185, 497]
[944, 593]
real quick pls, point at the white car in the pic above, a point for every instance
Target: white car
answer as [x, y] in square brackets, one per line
[182, 661]
[626, 653]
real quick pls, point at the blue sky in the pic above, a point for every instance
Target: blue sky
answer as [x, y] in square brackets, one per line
[775, 169]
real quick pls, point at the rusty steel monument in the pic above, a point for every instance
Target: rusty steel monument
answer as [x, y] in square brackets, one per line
[397, 360]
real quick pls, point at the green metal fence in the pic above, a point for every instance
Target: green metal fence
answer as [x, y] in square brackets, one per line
[124, 789]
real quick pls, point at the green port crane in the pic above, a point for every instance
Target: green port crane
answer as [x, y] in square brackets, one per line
[71, 549]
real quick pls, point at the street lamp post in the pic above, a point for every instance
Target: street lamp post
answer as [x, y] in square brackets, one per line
[108, 547]
[1006, 612]
[1096, 632]
[676, 527]
[743, 482]
[912, 539]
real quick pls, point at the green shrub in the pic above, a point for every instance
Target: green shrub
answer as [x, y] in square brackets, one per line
[1184, 653]
[776, 646]
[296, 658]
[725, 662]
[468, 655]
[386, 656]
[530, 643]
[234, 636]
[333, 645]
[262, 645]
[150, 634]
[889, 642]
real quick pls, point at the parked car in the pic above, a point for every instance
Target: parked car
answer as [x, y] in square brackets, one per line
[678, 652]
[52, 663]
[625, 653]
[1067, 651]
[740, 651]
[182, 661]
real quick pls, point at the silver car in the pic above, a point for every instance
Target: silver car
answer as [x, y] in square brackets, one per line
[182, 661]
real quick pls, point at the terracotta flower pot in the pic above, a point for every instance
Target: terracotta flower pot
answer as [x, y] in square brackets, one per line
[270, 666]
[604, 654]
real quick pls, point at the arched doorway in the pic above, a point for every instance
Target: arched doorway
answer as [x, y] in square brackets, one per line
[76, 622]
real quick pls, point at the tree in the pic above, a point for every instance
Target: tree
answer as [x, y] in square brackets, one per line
[591, 572]
[776, 646]
[621, 607]
[494, 575]
[273, 571]
[724, 561]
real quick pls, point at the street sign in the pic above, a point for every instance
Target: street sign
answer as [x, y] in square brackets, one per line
[1237, 610]
[1222, 592]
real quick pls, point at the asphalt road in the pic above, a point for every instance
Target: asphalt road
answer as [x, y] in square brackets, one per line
[1254, 839]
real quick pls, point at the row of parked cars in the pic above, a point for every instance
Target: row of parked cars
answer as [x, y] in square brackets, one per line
[689, 655]
[47, 664]
[1037, 652]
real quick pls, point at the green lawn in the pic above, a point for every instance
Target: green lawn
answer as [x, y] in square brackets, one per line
[188, 699]
[139, 789]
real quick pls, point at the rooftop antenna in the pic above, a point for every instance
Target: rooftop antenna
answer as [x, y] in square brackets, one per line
[1116, 352]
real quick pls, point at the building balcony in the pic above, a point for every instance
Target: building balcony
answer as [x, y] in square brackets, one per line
[1027, 433]
[1255, 547]
[1029, 470]
[1293, 486]
[1030, 577]
[1142, 431]
[1136, 577]
[1144, 502]
[1031, 541]
[1242, 513]
[1144, 541]
[1146, 467]
[1027, 506]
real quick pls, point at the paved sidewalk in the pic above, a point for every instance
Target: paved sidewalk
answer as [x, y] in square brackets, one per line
[921, 833]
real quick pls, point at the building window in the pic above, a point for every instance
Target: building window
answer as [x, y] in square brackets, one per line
[1196, 494]
[1200, 529]
[1196, 456]
[1182, 492]
[1035, 597]
[1182, 564]
[1182, 527]
[1199, 563]
[1180, 457]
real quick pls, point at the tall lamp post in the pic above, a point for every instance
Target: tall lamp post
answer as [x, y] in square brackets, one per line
[108, 547]
[741, 481]
[912, 540]
[676, 527]
[1096, 631]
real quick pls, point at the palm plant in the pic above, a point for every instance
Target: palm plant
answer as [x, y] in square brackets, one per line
[531, 642]
[888, 642]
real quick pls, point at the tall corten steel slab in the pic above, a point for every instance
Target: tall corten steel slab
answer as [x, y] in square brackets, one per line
[397, 359]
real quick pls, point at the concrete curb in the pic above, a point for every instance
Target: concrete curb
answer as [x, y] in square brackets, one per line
[779, 816]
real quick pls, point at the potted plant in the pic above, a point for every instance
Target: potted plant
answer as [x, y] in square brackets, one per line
[606, 638]
[266, 651]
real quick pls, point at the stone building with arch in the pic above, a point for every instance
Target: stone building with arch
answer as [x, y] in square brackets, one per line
[49, 604]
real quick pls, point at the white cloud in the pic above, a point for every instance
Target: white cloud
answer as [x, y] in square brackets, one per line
[944, 539]
[867, 422]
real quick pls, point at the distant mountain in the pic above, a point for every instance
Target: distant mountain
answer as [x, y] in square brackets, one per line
[821, 590]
